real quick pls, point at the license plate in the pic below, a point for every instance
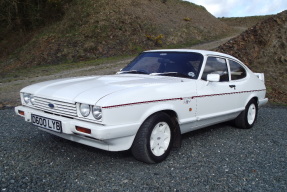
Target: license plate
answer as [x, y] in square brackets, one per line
[44, 122]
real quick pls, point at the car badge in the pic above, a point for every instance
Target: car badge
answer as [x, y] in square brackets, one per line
[186, 100]
[51, 105]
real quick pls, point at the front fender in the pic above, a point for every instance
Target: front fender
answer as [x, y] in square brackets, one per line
[157, 108]
[135, 112]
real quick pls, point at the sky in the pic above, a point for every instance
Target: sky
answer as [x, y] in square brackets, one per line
[242, 8]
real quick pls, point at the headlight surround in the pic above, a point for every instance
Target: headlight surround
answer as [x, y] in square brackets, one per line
[97, 112]
[85, 109]
[90, 111]
[32, 99]
[28, 98]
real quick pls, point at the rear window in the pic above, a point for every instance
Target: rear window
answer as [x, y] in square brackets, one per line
[237, 71]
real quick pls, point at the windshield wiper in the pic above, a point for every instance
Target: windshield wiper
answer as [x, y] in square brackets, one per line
[174, 74]
[134, 72]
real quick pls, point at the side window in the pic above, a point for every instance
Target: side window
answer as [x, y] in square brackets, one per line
[216, 65]
[236, 70]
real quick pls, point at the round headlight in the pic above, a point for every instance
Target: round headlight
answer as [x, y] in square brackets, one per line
[26, 97]
[85, 109]
[32, 99]
[97, 112]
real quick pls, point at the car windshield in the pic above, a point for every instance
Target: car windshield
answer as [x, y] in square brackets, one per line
[178, 64]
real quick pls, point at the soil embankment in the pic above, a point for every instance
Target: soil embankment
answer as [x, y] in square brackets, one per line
[263, 48]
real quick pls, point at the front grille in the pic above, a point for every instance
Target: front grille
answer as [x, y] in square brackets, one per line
[60, 107]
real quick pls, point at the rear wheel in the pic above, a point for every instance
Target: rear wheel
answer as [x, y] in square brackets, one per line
[154, 139]
[247, 118]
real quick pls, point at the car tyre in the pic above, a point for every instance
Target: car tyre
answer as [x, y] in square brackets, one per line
[154, 139]
[247, 118]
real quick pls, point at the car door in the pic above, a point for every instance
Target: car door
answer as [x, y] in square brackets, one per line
[215, 100]
[238, 80]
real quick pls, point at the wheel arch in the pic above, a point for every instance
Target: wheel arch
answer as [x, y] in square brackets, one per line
[250, 98]
[177, 132]
[174, 118]
[241, 120]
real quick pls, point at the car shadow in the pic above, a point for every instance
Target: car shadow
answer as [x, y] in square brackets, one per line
[85, 149]
[205, 130]
[102, 155]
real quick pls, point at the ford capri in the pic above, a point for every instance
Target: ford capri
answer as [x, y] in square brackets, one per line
[149, 104]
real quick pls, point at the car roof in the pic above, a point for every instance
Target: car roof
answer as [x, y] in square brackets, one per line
[203, 52]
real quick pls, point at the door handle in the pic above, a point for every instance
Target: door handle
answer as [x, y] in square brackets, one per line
[232, 86]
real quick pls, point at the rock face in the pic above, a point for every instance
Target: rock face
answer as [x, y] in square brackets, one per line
[263, 48]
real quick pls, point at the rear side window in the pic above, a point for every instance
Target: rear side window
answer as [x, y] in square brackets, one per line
[236, 70]
[216, 65]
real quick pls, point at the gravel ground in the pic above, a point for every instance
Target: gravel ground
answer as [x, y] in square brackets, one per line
[217, 158]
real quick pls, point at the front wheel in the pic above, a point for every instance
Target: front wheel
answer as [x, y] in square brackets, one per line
[154, 139]
[247, 118]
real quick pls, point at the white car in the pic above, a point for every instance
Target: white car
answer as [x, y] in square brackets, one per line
[146, 106]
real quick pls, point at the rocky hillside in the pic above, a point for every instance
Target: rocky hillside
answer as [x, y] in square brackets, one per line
[243, 21]
[93, 29]
[264, 49]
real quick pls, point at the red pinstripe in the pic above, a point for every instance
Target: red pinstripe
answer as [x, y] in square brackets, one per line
[173, 99]
[143, 102]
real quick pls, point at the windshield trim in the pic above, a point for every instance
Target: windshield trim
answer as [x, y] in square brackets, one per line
[182, 70]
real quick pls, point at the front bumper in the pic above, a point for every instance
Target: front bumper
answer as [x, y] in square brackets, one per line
[110, 138]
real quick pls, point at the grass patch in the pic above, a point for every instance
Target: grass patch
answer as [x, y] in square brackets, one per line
[45, 70]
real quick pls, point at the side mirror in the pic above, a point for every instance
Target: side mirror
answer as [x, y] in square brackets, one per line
[213, 77]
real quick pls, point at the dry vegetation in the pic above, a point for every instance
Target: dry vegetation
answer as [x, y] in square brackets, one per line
[243, 21]
[94, 29]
